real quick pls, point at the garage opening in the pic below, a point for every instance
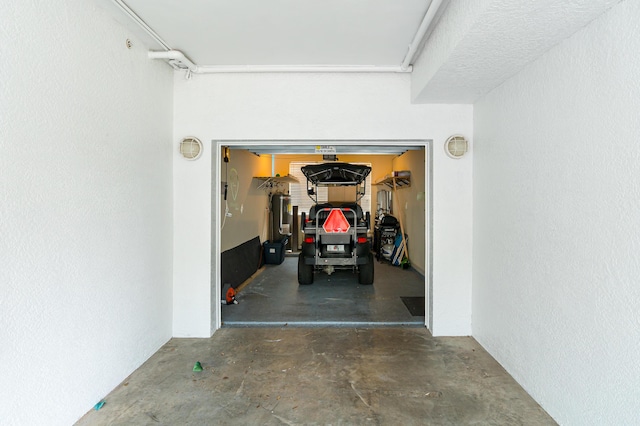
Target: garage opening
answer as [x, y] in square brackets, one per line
[258, 234]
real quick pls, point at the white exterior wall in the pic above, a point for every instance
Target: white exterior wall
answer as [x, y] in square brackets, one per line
[556, 225]
[312, 106]
[85, 209]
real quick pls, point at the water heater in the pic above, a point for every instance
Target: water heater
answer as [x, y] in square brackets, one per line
[281, 216]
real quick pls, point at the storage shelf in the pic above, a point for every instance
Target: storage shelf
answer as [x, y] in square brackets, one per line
[274, 181]
[403, 181]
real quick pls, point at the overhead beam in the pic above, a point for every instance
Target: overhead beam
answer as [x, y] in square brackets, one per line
[276, 147]
[478, 44]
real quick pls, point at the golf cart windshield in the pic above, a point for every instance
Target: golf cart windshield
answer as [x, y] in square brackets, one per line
[335, 174]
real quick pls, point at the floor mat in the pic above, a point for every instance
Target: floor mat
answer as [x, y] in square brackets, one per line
[415, 305]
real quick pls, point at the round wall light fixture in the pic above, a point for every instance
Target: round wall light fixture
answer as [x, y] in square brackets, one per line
[191, 148]
[456, 146]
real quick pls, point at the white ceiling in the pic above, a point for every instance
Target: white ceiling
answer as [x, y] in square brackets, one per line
[472, 46]
[286, 32]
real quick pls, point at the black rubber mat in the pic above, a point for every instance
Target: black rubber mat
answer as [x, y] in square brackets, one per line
[415, 305]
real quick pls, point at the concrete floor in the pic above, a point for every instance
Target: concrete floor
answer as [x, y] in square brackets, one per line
[283, 365]
[274, 298]
[295, 376]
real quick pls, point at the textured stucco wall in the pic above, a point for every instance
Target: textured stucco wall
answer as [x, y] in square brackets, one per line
[478, 44]
[85, 209]
[556, 298]
[311, 106]
[452, 27]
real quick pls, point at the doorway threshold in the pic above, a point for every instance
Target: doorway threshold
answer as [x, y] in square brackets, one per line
[418, 322]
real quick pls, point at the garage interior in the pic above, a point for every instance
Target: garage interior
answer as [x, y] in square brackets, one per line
[259, 178]
[111, 245]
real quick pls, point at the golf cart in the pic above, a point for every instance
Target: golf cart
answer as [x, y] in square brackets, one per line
[335, 234]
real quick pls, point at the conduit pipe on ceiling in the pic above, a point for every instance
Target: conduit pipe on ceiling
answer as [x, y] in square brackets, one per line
[179, 61]
[299, 68]
[422, 30]
[134, 16]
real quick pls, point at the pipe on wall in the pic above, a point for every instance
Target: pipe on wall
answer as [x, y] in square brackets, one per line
[300, 68]
[422, 30]
[134, 16]
[176, 59]
[179, 60]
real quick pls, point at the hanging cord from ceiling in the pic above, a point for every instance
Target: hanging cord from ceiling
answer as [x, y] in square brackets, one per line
[226, 186]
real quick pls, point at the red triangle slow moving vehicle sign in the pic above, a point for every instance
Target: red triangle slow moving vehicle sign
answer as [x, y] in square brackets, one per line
[336, 222]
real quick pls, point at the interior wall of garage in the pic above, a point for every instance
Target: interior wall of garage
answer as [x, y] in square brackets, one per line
[247, 205]
[380, 166]
[410, 206]
[308, 107]
[85, 216]
[557, 226]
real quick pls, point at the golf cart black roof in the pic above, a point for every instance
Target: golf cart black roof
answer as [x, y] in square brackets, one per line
[336, 173]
